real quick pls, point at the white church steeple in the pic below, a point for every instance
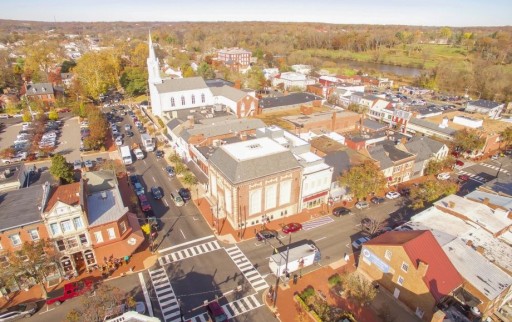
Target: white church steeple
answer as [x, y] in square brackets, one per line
[153, 64]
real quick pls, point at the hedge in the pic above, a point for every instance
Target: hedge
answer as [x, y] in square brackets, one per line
[301, 302]
[315, 316]
[160, 122]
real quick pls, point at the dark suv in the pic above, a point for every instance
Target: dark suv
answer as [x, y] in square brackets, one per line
[266, 234]
[341, 211]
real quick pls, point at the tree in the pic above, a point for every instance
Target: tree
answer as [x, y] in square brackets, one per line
[363, 179]
[206, 71]
[189, 179]
[98, 128]
[372, 225]
[37, 259]
[255, 78]
[430, 191]
[361, 289]
[180, 168]
[134, 80]
[96, 72]
[175, 158]
[26, 117]
[469, 140]
[187, 71]
[61, 169]
[107, 301]
[7, 152]
[506, 135]
[53, 115]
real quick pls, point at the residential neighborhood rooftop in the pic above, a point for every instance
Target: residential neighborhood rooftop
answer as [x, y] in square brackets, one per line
[291, 99]
[104, 207]
[68, 194]
[20, 207]
[489, 125]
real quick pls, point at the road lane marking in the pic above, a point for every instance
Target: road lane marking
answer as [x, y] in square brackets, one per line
[153, 179]
[165, 202]
[144, 162]
[182, 234]
[186, 243]
[146, 294]
[320, 239]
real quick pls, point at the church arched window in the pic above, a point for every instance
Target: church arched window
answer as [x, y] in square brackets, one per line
[203, 98]
[173, 102]
[182, 100]
[193, 99]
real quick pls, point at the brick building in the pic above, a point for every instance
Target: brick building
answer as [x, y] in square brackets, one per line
[237, 55]
[40, 93]
[413, 267]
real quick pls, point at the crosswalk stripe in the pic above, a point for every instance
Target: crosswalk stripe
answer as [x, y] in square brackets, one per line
[250, 273]
[165, 295]
[233, 309]
[189, 252]
[317, 223]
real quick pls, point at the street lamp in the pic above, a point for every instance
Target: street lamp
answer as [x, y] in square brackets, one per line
[278, 276]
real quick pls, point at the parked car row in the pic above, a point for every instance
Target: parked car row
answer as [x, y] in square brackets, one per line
[140, 192]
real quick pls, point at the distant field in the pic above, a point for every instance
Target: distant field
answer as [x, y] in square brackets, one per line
[420, 56]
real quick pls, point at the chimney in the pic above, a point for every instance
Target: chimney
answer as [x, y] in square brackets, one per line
[480, 249]
[237, 84]
[486, 201]
[333, 121]
[469, 243]
[422, 268]
[190, 121]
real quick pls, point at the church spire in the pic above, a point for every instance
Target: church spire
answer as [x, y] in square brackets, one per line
[151, 49]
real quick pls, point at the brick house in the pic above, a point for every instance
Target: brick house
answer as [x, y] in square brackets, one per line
[40, 93]
[396, 163]
[413, 267]
[251, 182]
[237, 55]
[21, 222]
[338, 121]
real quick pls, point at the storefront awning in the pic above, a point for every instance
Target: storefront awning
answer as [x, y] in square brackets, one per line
[315, 196]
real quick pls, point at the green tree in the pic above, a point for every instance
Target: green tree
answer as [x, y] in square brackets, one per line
[206, 71]
[189, 179]
[26, 117]
[53, 115]
[363, 179]
[134, 80]
[187, 71]
[96, 72]
[430, 191]
[469, 140]
[61, 169]
[67, 65]
[180, 168]
[255, 78]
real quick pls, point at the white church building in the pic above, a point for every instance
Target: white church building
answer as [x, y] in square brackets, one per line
[169, 95]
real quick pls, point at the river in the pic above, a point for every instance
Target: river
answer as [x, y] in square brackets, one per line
[391, 69]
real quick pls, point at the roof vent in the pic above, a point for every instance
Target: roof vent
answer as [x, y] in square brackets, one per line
[103, 195]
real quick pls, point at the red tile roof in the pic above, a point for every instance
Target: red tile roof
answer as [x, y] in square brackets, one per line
[68, 194]
[441, 277]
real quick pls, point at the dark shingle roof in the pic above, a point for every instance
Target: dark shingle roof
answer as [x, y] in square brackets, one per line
[20, 207]
[292, 99]
[217, 82]
[432, 126]
[374, 125]
[387, 153]
[423, 147]
[39, 89]
[484, 104]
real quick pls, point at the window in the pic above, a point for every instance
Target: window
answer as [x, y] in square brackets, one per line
[72, 242]
[122, 227]
[388, 254]
[111, 233]
[285, 192]
[60, 245]
[98, 236]
[270, 197]
[4, 261]
[55, 229]
[203, 99]
[173, 102]
[15, 239]
[66, 226]
[254, 201]
[182, 100]
[34, 234]
[419, 312]
[400, 280]
[83, 240]
[405, 267]
[78, 223]
[193, 99]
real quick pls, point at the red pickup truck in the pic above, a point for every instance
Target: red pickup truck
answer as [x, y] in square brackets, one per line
[69, 291]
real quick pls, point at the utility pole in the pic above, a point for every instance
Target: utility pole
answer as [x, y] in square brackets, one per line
[278, 276]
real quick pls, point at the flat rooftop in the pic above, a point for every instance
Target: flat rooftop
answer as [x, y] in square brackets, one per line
[490, 126]
[252, 149]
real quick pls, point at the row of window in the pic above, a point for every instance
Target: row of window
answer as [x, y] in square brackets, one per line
[388, 254]
[16, 238]
[183, 101]
[66, 226]
[72, 242]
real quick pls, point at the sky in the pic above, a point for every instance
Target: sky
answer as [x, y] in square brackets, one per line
[456, 13]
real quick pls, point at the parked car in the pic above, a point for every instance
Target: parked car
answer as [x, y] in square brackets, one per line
[88, 164]
[77, 165]
[392, 195]
[362, 205]
[16, 312]
[463, 177]
[185, 194]
[266, 234]
[159, 154]
[69, 291]
[216, 312]
[377, 200]
[170, 171]
[495, 157]
[459, 163]
[127, 127]
[291, 228]
[178, 201]
[129, 134]
[359, 242]
[341, 211]
[443, 176]
[144, 203]
[156, 192]
[405, 192]
[119, 141]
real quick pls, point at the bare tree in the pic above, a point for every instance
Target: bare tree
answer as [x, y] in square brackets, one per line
[94, 308]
